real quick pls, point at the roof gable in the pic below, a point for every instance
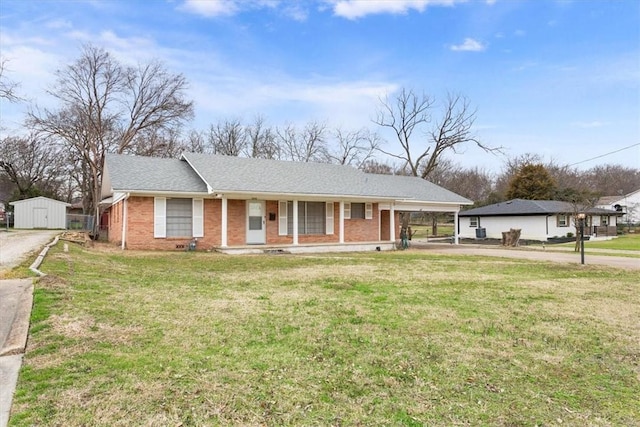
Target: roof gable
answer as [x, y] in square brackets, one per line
[32, 199]
[135, 173]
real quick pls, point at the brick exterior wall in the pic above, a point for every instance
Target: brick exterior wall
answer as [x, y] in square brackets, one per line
[140, 219]
[115, 223]
[362, 230]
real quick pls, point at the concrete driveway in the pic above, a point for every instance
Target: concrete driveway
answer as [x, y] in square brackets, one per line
[564, 256]
[15, 246]
[16, 299]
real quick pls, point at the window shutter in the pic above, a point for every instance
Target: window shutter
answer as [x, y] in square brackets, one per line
[198, 218]
[329, 225]
[368, 210]
[159, 217]
[347, 210]
[282, 218]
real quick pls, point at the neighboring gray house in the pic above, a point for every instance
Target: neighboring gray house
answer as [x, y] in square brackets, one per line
[538, 220]
[231, 203]
[40, 212]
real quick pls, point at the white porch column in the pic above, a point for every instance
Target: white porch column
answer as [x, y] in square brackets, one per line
[341, 223]
[392, 223]
[295, 222]
[455, 227]
[223, 228]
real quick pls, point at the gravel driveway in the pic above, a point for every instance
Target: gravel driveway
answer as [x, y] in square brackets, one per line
[17, 245]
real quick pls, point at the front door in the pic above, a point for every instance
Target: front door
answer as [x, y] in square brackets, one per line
[256, 233]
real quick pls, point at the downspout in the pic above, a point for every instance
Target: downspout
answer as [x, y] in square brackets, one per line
[124, 221]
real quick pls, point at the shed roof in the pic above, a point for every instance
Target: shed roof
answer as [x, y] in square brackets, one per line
[529, 207]
[42, 198]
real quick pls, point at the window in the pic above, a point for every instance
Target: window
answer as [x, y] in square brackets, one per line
[311, 218]
[473, 221]
[178, 217]
[563, 220]
[604, 220]
[358, 210]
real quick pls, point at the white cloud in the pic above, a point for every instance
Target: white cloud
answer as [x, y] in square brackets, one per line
[210, 8]
[354, 9]
[469, 45]
[286, 100]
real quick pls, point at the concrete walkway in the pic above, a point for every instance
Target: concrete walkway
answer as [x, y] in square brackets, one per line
[16, 300]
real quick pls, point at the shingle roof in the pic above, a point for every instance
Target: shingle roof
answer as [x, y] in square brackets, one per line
[227, 174]
[134, 173]
[527, 207]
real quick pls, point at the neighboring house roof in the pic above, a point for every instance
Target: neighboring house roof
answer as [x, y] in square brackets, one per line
[205, 173]
[132, 173]
[617, 199]
[32, 199]
[521, 207]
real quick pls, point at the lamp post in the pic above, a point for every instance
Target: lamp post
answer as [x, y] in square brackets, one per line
[581, 218]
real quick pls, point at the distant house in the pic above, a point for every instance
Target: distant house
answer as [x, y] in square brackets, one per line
[538, 220]
[256, 204]
[627, 204]
[40, 212]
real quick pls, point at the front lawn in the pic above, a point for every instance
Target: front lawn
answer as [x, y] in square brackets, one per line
[629, 242]
[396, 338]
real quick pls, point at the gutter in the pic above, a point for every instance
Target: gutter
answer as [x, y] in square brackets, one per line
[124, 220]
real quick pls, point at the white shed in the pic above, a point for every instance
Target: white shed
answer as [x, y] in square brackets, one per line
[40, 212]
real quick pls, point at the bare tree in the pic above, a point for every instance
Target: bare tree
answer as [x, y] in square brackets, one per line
[609, 180]
[107, 107]
[227, 138]
[261, 140]
[409, 115]
[374, 166]
[32, 165]
[354, 148]
[158, 142]
[8, 88]
[306, 145]
[473, 183]
[195, 142]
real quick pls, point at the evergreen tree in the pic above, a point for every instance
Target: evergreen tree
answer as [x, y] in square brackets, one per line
[532, 182]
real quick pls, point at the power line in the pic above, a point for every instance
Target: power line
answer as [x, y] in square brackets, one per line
[606, 154]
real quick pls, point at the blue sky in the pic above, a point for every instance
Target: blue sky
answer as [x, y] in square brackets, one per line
[557, 78]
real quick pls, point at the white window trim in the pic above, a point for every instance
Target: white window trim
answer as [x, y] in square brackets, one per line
[347, 210]
[329, 215]
[368, 211]
[565, 222]
[472, 223]
[160, 217]
[198, 218]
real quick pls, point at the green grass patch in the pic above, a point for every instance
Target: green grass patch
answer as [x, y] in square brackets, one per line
[395, 338]
[627, 242]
